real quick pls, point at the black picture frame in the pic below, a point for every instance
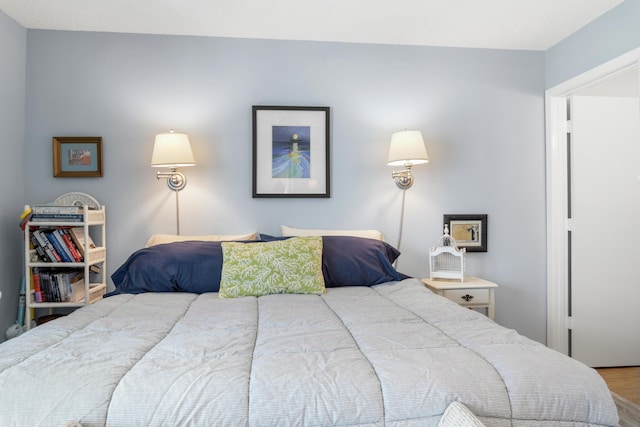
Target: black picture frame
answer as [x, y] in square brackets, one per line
[469, 230]
[291, 152]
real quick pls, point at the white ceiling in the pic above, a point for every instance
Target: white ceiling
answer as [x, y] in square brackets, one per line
[500, 24]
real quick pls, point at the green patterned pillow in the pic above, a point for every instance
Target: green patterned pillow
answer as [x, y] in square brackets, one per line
[292, 266]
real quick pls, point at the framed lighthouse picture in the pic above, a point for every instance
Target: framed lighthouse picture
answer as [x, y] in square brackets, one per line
[291, 151]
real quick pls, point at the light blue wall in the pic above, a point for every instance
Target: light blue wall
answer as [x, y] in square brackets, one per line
[611, 35]
[13, 47]
[481, 112]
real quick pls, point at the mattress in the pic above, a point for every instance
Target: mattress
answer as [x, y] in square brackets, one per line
[393, 354]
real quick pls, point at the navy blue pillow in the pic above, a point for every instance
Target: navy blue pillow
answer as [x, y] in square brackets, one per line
[191, 266]
[355, 261]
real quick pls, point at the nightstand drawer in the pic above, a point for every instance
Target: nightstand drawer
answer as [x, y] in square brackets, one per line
[468, 296]
[472, 293]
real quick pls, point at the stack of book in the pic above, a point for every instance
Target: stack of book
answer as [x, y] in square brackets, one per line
[54, 213]
[51, 213]
[60, 244]
[57, 285]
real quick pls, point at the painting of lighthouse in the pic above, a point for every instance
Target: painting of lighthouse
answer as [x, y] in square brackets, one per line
[291, 152]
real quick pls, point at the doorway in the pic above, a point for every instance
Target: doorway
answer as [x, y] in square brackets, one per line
[560, 322]
[604, 281]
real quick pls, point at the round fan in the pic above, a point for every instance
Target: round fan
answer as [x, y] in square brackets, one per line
[77, 199]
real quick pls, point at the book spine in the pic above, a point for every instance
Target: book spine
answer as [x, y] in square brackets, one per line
[37, 241]
[67, 282]
[55, 289]
[48, 248]
[45, 286]
[62, 217]
[37, 290]
[67, 232]
[39, 249]
[26, 213]
[25, 217]
[52, 209]
[57, 234]
[66, 236]
[61, 280]
[56, 245]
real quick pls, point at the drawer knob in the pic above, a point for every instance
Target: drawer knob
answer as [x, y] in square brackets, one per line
[467, 297]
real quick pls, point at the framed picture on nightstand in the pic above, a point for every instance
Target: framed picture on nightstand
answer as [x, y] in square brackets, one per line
[469, 231]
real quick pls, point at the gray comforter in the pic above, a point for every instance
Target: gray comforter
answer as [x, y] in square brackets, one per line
[391, 355]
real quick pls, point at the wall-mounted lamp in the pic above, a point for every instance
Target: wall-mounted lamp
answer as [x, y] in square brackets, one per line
[173, 150]
[407, 149]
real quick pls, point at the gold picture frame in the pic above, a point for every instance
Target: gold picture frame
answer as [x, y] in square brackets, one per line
[77, 156]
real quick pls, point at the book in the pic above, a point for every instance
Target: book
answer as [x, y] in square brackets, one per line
[42, 255]
[63, 246]
[55, 285]
[63, 280]
[69, 245]
[55, 209]
[45, 286]
[25, 217]
[57, 217]
[69, 240]
[48, 255]
[64, 257]
[78, 237]
[35, 276]
[52, 254]
[27, 211]
[55, 290]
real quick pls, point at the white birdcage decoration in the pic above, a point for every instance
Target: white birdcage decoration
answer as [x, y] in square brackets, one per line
[446, 261]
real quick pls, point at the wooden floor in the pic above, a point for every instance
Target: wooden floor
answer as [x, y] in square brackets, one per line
[623, 381]
[624, 384]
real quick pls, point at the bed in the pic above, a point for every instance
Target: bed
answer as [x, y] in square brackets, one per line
[184, 341]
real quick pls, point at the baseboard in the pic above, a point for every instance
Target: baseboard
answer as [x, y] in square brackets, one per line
[628, 411]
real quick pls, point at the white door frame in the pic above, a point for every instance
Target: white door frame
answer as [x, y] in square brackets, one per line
[558, 197]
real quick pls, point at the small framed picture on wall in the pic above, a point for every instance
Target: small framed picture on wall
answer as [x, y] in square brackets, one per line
[77, 156]
[469, 231]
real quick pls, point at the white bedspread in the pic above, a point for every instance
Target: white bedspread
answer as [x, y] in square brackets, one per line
[391, 355]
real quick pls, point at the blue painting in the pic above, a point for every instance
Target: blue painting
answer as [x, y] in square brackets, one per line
[291, 152]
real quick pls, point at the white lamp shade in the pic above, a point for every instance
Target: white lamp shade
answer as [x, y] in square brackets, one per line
[172, 150]
[407, 148]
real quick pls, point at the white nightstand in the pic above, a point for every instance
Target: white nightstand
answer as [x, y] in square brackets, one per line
[473, 292]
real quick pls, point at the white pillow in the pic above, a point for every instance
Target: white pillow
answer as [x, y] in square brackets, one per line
[457, 415]
[369, 234]
[158, 239]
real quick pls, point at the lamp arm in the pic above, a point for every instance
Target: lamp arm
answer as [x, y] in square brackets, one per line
[175, 180]
[403, 178]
